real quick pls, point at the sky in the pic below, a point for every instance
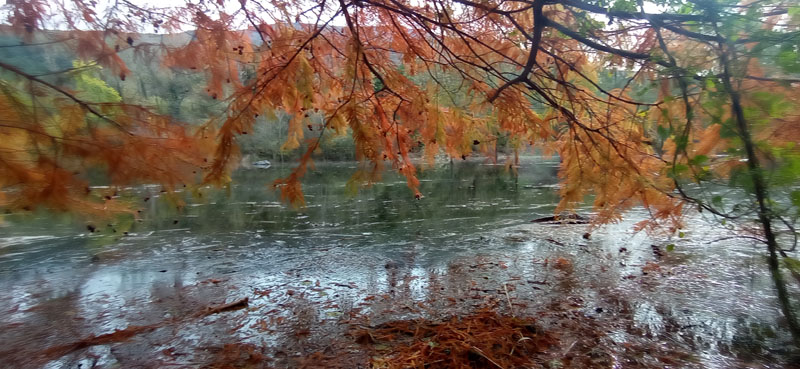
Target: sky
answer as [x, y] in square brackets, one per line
[230, 7]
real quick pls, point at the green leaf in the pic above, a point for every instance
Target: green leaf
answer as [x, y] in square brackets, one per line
[676, 171]
[795, 196]
[789, 61]
[794, 13]
[717, 201]
[792, 264]
[624, 5]
[681, 234]
[681, 142]
[663, 132]
[698, 160]
[787, 172]
[741, 177]
[773, 104]
[671, 247]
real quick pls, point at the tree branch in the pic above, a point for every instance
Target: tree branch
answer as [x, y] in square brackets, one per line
[64, 92]
[539, 22]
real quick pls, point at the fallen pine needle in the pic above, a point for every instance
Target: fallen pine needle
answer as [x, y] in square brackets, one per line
[486, 339]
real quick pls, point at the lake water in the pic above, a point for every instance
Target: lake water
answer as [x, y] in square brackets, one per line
[381, 254]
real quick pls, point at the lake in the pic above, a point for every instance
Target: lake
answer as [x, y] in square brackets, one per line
[377, 255]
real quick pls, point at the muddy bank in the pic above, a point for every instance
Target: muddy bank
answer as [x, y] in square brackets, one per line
[615, 300]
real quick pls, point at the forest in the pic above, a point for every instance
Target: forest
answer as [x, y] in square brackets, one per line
[400, 184]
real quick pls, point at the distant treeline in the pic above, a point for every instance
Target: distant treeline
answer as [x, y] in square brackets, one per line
[181, 94]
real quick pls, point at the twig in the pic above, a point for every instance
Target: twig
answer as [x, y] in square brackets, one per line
[539, 22]
[125, 334]
[83, 104]
[119, 335]
[569, 348]
[227, 307]
[510, 306]
[480, 352]
[518, 341]
[735, 237]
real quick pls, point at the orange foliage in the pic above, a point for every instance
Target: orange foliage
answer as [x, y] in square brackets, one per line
[520, 70]
[46, 155]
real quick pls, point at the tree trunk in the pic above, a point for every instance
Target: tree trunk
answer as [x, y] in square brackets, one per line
[762, 198]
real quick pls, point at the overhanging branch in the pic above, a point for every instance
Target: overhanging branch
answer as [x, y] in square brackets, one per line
[539, 22]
